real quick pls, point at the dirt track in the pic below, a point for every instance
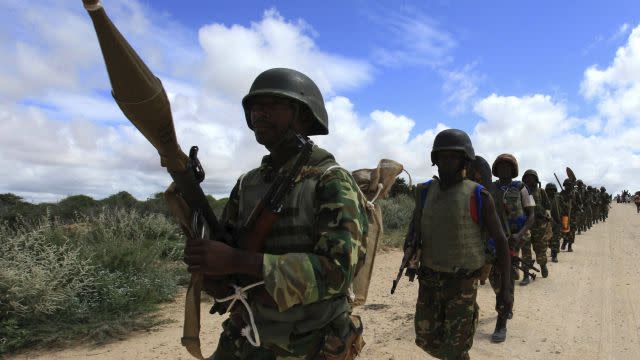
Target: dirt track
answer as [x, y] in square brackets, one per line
[588, 308]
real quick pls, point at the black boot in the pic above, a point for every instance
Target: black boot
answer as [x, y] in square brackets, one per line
[569, 249]
[564, 244]
[526, 280]
[544, 270]
[554, 256]
[500, 333]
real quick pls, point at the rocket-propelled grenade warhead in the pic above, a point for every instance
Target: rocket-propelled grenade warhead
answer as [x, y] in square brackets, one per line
[139, 94]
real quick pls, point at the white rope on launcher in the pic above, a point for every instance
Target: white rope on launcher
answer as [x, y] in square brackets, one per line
[240, 293]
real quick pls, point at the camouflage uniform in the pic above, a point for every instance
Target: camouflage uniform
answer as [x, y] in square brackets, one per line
[557, 210]
[308, 279]
[606, 200]
[569, 208]
[446, 314]
[539, 230]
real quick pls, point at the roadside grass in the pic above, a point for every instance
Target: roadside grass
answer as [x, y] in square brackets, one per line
[94, 280]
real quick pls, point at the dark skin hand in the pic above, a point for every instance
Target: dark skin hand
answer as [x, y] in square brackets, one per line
[504, 171]
[215, 258]
[450, 165]
[273, 119]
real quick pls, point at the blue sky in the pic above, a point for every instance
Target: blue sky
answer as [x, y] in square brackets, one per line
[553, 82]
[515, 48]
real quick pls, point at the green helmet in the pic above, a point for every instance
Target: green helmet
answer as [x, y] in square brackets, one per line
[551, 187]
[602, 188]
[453, 139]
[294, 85]
[567, 182]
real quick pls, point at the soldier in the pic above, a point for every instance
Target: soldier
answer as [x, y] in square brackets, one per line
[539, 230]
[452, 215]
[588, 206]
[557, 212]
[515, 210]
[313, 251]
[606, 200]
[581, 212]
[570, 208]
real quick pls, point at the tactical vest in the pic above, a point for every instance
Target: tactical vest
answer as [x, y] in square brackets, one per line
[452, 240]
[540, 200]
[509, 206]
[292, 233]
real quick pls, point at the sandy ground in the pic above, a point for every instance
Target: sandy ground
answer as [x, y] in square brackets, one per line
[588, 308]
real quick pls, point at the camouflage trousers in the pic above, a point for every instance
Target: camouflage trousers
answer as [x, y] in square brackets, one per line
[537, 240]
[324, 345]
[495, 279]
[233, 346]
[446, 315]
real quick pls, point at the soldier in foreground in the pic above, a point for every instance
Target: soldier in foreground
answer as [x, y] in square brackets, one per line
[515, 210]
[311, 255]
[452, 215]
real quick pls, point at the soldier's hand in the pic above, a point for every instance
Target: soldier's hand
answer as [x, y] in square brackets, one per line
[209, 257]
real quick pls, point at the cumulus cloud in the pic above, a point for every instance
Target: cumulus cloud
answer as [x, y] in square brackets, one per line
[616, 88]
[235, 55]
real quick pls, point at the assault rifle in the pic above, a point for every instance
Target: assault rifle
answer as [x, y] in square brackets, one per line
[143, 100]
[411, 253]
[520, 264]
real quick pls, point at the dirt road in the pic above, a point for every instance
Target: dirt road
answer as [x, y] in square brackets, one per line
[588, 308]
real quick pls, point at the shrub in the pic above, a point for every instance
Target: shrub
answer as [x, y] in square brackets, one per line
[95, 279]
[396, 211]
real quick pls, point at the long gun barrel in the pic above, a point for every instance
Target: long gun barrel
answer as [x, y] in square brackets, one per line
[558, 180]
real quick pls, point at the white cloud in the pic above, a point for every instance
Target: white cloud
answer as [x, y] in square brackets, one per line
[616, 89]
[235, 55]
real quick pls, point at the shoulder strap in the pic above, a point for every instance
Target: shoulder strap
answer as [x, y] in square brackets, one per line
[423, 193]
[478, 195]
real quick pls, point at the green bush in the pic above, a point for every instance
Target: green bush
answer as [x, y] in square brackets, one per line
[94, 279]
[396, 211]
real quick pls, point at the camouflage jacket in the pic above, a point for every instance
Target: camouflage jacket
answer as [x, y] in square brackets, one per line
[340, 225]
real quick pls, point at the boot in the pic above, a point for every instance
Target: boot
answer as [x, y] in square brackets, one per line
[554, 256]
[569, 249]
[500, 333]
[564, 244]
[525, 280]
[544, 270]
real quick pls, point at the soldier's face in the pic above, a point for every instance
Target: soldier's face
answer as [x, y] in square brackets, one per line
[271, 118]
[450, 164]
[503, 169]
[530, 181]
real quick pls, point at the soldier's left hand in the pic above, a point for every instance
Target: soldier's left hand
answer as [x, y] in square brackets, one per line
[209, 257]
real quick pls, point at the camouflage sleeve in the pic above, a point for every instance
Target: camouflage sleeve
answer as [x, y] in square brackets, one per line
[340, 227]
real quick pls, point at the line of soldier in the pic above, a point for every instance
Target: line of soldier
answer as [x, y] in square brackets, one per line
[529, 217]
